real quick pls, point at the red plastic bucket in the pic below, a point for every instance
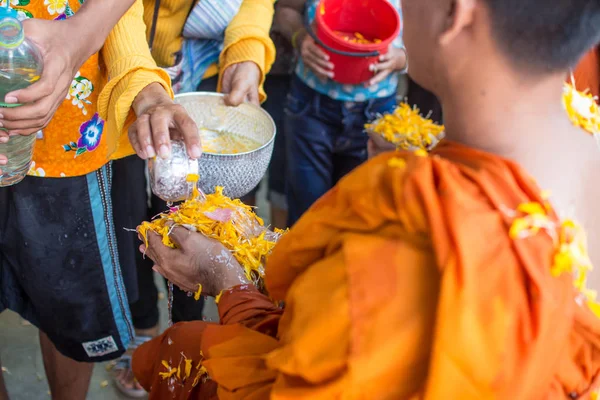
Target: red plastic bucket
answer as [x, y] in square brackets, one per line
[374, 19]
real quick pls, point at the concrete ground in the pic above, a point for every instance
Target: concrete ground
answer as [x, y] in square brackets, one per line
[22, 364]
[24, 369]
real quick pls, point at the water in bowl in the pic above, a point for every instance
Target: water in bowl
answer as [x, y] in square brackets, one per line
[219, 142]
[19, 150]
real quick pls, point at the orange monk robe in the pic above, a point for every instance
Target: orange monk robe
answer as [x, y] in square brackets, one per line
[403, 283]
[587, 73]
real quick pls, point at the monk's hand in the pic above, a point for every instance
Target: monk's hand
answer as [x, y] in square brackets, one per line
[159, 120]
[394, 60]
[240, 83]
[197, 260]
[377, 145]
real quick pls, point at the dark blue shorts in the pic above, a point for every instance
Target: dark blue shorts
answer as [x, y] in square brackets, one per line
[59, 264]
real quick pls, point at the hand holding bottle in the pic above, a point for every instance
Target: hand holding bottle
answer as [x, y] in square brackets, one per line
[65, 45]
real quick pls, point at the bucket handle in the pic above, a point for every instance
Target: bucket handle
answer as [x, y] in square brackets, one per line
[312, 34]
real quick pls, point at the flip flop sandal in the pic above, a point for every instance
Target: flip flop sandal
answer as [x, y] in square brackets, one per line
[123, 371]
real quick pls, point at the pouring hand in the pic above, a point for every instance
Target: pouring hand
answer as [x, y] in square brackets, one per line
[159, 120]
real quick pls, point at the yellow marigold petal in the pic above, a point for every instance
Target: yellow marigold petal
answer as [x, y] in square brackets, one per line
[198, 293]
[397, 162]
[594, 307]
[218, 297]
[192, 178]
[188, 368]
[532, 208]
[562, 263]
[518, 226]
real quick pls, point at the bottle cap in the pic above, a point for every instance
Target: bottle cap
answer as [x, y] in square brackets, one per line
[8, 12]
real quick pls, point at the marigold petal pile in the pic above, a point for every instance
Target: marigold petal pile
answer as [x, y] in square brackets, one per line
[407, 129]
[229, 221]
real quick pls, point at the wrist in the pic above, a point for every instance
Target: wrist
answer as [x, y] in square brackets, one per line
[233, 276]
[85, 38]
[298, 38]
[152, 95]
[403, 64]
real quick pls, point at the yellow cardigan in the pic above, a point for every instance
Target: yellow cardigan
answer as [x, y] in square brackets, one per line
[130, 69]
[246, 38]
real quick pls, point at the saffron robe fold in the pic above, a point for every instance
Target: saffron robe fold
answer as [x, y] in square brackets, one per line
[402, 282]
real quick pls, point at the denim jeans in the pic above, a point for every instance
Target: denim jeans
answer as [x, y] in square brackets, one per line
[325, 140]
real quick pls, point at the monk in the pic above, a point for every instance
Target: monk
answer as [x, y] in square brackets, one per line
[448, 275]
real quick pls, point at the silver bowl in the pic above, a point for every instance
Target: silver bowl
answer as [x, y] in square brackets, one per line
[237, 173]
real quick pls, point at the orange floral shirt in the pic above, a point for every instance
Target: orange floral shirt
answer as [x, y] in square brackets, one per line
[77, 141]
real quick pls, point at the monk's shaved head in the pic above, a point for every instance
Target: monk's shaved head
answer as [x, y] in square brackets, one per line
[545, 35]
[459, 42]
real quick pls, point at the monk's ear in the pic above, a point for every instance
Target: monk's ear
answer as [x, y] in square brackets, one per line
[459, 17]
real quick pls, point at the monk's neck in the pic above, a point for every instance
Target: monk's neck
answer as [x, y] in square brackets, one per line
[506, 118]
[530, 127]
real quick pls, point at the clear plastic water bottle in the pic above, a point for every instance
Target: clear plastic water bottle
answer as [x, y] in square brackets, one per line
[20, 65]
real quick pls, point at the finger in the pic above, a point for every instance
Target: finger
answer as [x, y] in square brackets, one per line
[382, 66]
[144, 135]
[379, 77]
[239, 91]
[326, 65]
[3, 159]
[159, 122]
[385, 57]
[320, 72]
[189, 131]
[161, 271]
[174, 278]
[40, 89]
[316, 50]
[253, 96]
[25, 132]
[27, 124]
[156, 250]
[227, 77]
[135, 143]
[180, 236]
[37, 113]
